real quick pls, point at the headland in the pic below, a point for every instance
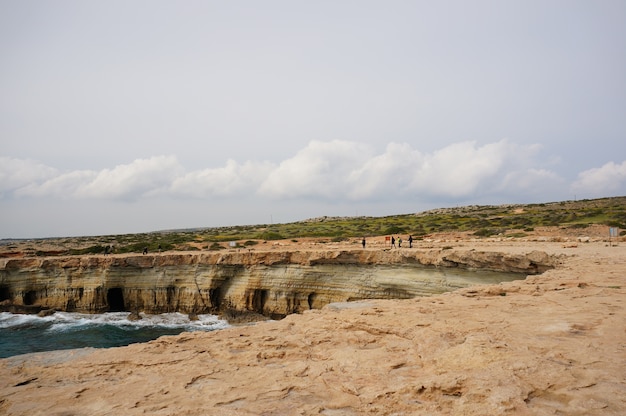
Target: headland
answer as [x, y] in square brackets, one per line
[553, 343]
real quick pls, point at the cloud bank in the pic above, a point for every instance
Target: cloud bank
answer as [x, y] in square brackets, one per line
[602, 181]
[334, 171]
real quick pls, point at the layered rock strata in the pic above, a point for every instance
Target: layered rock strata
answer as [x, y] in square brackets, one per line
[266, 282]
[552, 344]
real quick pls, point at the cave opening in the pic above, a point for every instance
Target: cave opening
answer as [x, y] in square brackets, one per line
[258, 300]
[5, 293]
[29, 297]
[215, 298]
[115, 299]
[311, 300]
[170, 296]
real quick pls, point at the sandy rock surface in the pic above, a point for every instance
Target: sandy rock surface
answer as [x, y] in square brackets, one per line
[550, 344]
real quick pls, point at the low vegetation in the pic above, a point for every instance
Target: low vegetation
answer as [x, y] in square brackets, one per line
[483, 221]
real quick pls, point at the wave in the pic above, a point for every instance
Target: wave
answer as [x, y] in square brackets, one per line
[68, 321]
[22, 334]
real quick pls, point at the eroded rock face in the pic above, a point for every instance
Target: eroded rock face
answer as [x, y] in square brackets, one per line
[270, 283]
[546, 345]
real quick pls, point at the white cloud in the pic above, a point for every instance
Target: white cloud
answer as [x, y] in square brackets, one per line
[602, 181]
[17, 173]
[348, 171]
[322, 169]
[323, 178]
[142, 177]
[62, 186]
[232, 179]
[337, 171]
[387, 174]
[459, 169]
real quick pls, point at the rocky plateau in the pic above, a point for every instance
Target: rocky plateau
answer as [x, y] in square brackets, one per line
[553, 343]
[271, 283]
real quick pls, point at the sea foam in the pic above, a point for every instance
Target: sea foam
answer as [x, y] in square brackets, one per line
[21, 334]
[61, 321]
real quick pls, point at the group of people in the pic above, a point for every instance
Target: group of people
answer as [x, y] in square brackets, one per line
[393, 242]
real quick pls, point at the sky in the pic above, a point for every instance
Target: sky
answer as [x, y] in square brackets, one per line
[134, 116]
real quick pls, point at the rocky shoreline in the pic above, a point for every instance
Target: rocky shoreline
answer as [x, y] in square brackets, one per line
[270, 283]
[553, 343]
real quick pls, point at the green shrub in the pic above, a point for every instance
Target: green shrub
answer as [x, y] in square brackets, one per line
[485, 232]
[216, 247]
[270, 235]
[394, 230]
[97, 249]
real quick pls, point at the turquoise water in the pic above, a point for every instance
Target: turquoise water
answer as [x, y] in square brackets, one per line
[22, 334]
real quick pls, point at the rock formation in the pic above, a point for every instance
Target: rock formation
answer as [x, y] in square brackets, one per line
[551, 344]
[266, 282]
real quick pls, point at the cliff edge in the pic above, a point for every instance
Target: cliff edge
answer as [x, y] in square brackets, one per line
[272, 283]
[550, 344]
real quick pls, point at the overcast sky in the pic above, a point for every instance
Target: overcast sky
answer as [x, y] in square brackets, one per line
[132, 116]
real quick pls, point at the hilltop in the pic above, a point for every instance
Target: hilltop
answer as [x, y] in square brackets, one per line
[521, 221]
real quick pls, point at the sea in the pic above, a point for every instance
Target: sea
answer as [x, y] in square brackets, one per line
[22, 334]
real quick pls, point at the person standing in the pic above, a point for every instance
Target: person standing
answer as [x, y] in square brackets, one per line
[393, 242]
[410, 241]
[363, 242]
[399, 242]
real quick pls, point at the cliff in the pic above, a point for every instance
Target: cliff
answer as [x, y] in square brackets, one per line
[551, 344]
[273, 283]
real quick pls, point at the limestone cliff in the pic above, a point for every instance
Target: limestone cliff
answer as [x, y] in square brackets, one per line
[267, 282]
[554, 345]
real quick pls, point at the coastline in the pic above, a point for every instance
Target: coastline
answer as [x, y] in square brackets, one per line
[273, 281]
[552, 343]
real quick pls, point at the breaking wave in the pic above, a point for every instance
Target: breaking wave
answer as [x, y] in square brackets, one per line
[21, 334]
